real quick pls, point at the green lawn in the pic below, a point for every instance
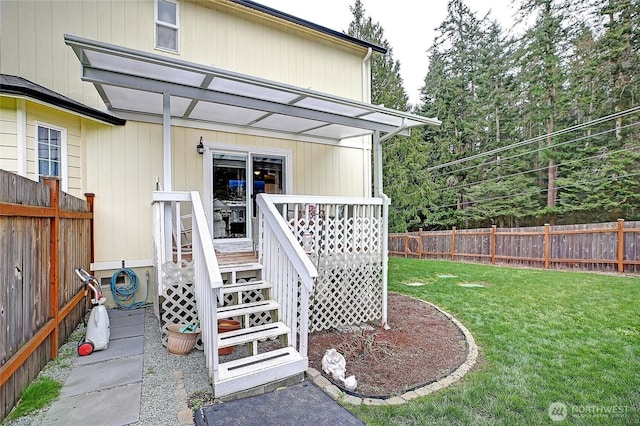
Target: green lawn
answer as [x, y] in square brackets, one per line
[543, 336]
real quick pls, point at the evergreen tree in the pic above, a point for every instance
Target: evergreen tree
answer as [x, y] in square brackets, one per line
[542, 78]
[386, 82]
[469, 86]
[403, 158]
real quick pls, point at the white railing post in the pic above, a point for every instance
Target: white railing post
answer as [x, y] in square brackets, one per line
[385, 255]
[285, 266]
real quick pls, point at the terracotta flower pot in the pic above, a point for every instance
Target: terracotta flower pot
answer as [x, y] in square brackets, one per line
[225, 325]
[179, 343]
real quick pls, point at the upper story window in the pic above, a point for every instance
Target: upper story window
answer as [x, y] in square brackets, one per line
[167, 14]
[52, 153]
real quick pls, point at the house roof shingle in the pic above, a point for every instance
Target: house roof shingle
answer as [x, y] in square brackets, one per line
[14, 85]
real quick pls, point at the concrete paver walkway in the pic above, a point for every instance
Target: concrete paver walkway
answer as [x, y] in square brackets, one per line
[105, 387]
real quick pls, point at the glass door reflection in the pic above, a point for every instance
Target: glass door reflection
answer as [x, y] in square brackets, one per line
[229, 195]
[268, 176]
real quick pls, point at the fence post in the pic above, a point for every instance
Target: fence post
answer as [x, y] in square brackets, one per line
[406, 242]
[420, 243]
[91, 199]
[453, 243]
[493, 244]
[620, 245]
[547, 243]
[54, 272]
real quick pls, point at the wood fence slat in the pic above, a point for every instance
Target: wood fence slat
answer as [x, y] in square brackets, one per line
[44, 234]
[606, 247]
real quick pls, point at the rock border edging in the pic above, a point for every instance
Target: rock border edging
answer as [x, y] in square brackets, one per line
[472, 355]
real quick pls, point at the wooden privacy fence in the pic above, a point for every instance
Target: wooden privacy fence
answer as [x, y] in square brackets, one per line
[44, 235]
[607, 247]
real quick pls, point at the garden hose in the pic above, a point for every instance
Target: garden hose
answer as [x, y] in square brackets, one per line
[125, 295]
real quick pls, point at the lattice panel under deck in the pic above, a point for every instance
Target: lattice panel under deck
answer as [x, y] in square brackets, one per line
[178, 304]
[348, 291]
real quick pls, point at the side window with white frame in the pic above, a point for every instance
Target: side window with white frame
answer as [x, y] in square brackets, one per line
[167, 14]
[52, 152]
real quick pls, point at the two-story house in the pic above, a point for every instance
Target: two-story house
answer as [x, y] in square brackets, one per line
[204, 128]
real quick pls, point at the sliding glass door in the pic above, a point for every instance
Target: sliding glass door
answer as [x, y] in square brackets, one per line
[236, 180]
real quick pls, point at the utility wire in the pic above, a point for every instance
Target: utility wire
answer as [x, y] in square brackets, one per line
[538, 191]
[593, 157]
[505, 159]
[537, 138]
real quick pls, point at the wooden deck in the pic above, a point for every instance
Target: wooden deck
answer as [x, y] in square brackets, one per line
[226, 259]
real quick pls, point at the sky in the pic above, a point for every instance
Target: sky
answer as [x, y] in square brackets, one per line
[402, 22]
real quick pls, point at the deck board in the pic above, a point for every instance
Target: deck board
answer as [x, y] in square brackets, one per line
[225, 259]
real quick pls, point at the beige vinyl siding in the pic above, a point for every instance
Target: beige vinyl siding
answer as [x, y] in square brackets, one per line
[8, 135]
[237, 39]
[318, 169]
[120, 164]
[212, 33]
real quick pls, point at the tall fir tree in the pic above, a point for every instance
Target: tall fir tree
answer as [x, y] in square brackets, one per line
[542, 78]
[403, 158]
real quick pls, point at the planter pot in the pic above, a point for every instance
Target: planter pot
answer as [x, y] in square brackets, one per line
[180, 343]
[225, 325]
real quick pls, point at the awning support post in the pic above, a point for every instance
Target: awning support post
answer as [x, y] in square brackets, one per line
[166, 141]
[166, 165]
[377, 165]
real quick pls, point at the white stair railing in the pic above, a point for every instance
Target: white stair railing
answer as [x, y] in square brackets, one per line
[207, 277]
[289, 270]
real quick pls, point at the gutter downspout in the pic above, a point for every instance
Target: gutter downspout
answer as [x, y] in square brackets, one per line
[366, 97]
[366, 76]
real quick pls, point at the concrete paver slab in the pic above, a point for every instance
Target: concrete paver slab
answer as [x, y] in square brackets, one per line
[127, 331]
[125, 320]
[119, 348]
[104, 375]
[116, 313]
[115, 406]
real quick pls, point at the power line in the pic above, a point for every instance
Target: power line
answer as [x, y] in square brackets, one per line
[596, 156]
[501, 160]
[536, 139]
[539, 168]
[539, 191]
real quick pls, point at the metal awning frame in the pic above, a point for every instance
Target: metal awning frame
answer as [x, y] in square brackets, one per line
[163, 88]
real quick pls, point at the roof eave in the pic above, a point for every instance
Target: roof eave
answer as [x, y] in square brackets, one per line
[310, 25]
[60, 101]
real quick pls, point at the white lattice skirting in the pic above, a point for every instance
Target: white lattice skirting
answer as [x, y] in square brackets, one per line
[348, 290]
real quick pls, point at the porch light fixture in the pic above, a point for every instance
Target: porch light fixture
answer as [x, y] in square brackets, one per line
[200, 147]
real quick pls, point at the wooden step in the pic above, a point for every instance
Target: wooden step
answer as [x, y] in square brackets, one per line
[247, 309]
[246, 373]
[248, 286]
[250, 334]
[251, 266]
